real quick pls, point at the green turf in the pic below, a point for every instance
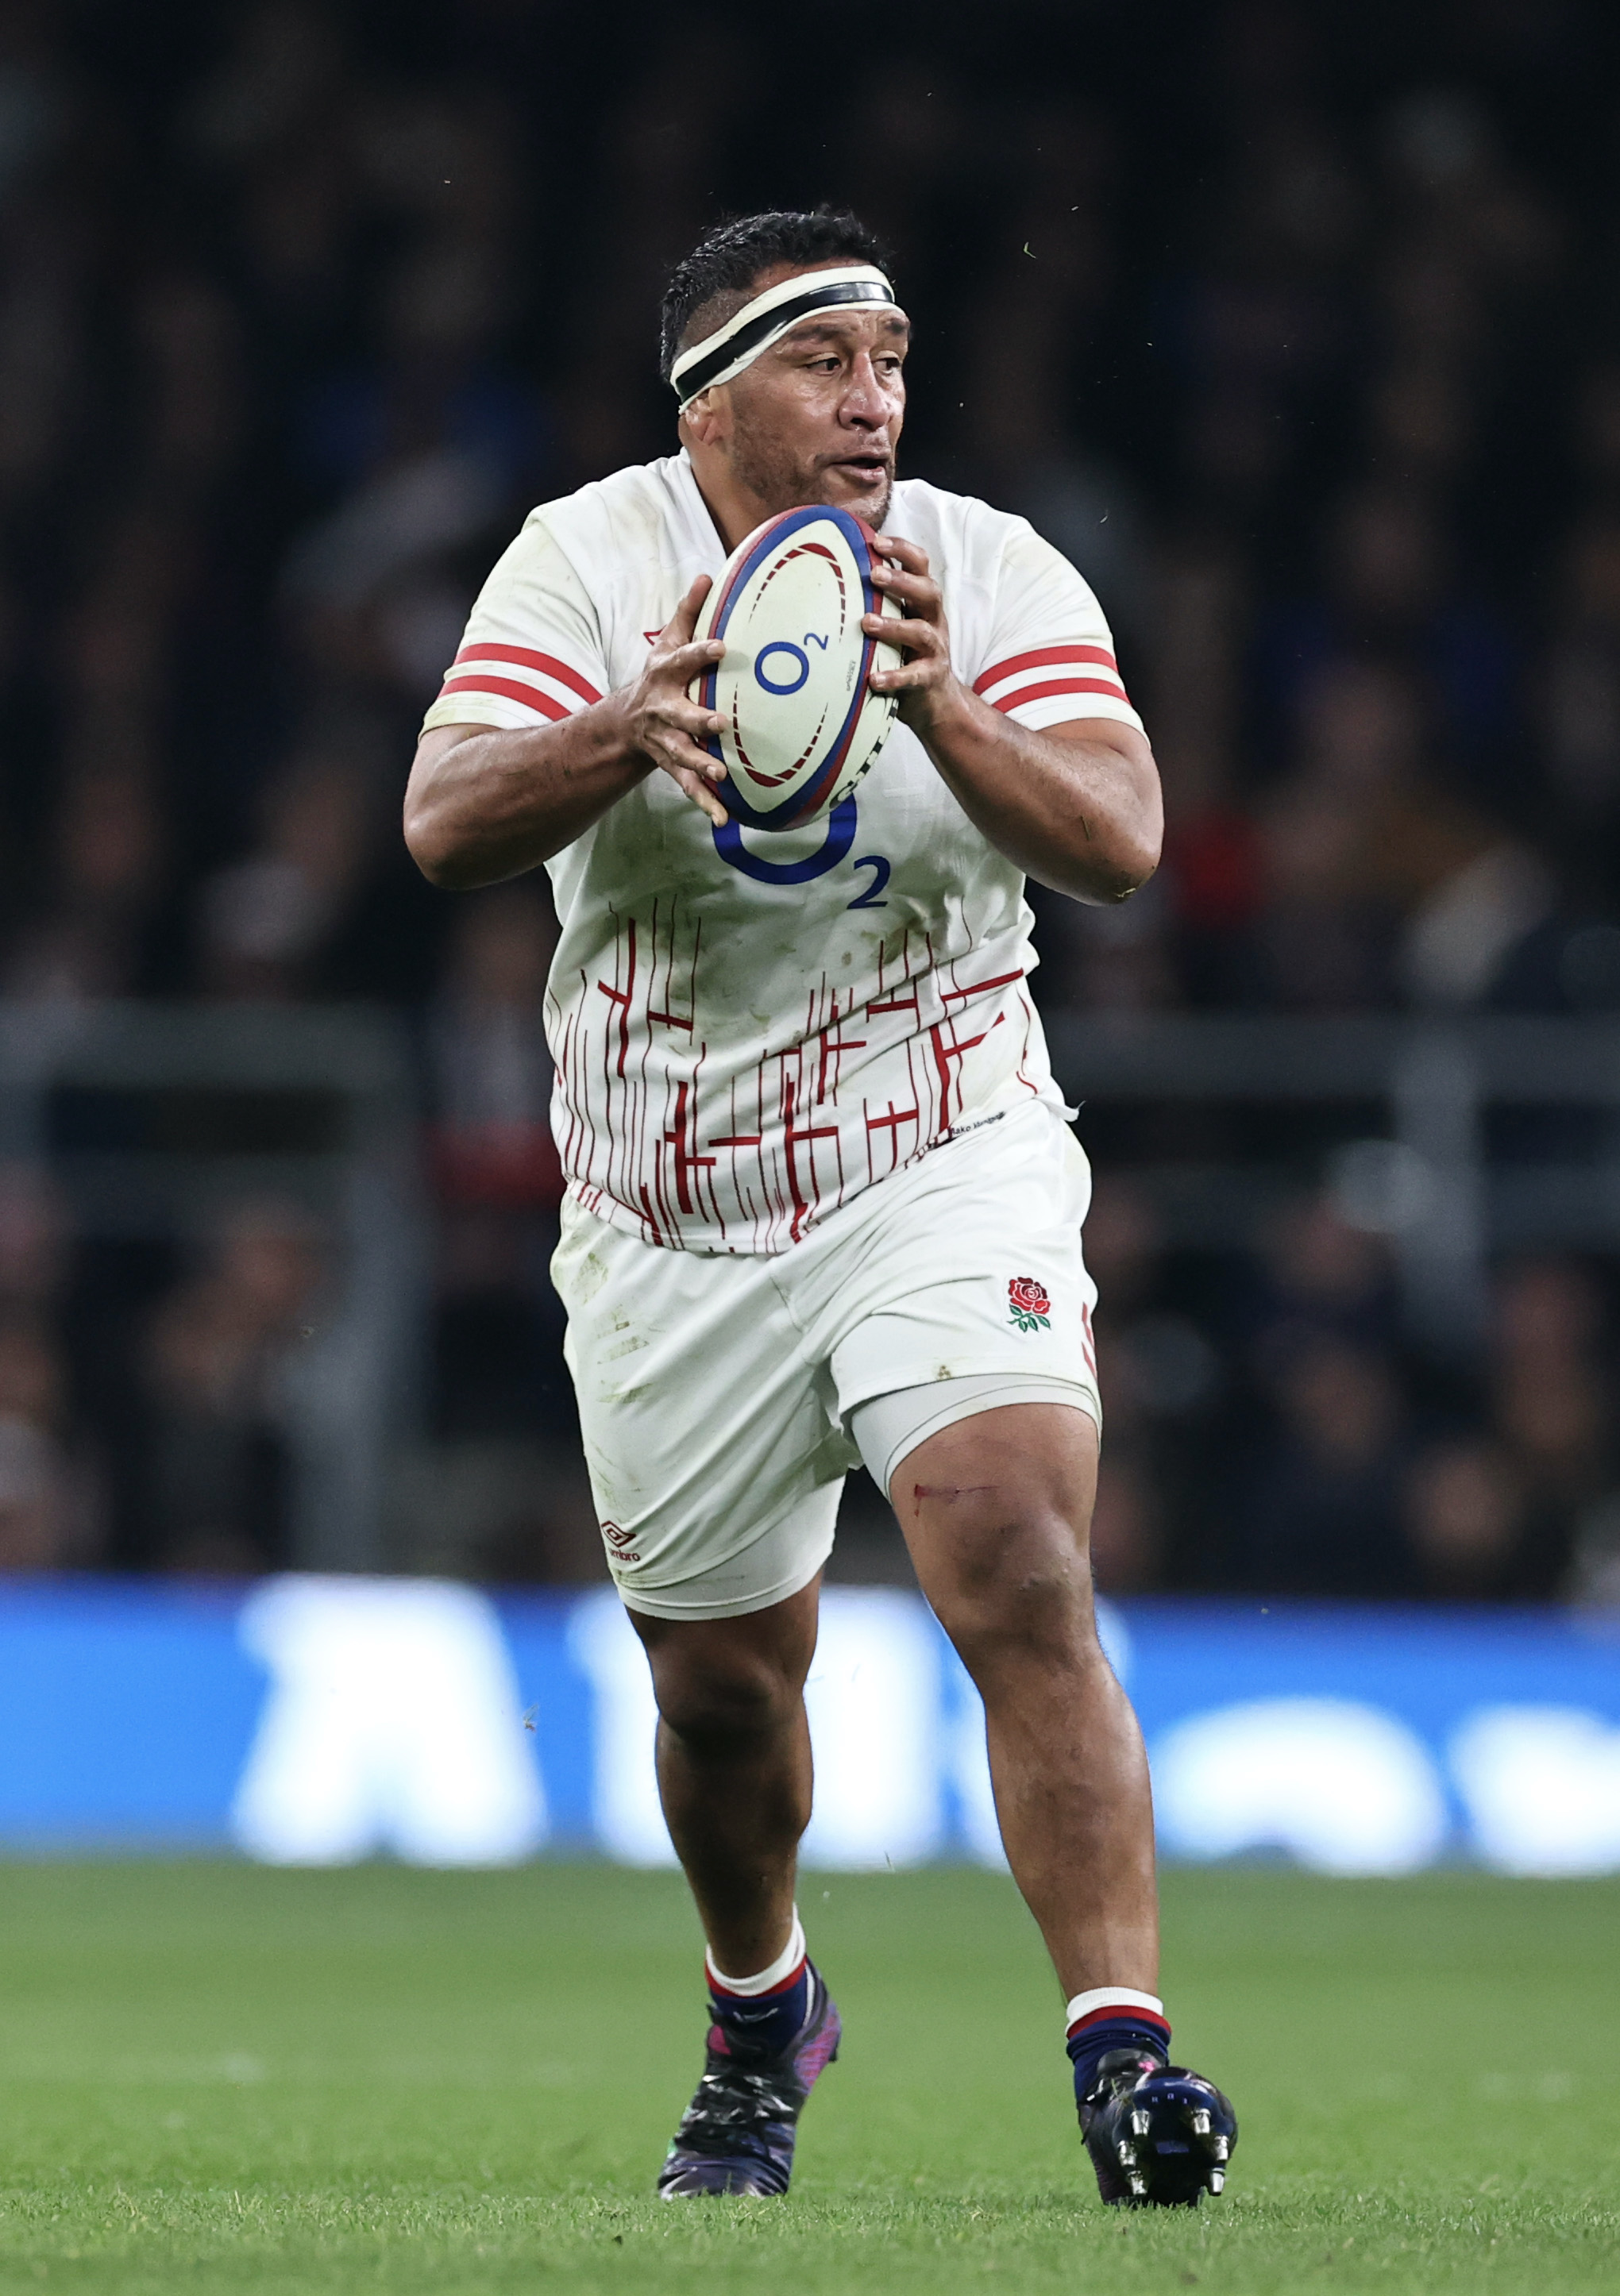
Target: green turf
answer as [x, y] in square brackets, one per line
[216, 2078]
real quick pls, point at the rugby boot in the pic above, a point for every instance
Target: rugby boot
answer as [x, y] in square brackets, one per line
[738, 2134]
[1159, 2136]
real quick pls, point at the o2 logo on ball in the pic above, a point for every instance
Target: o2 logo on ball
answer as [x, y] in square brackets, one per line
[772, 681]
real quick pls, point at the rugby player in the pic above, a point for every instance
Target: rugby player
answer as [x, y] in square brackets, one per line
[822, 1202]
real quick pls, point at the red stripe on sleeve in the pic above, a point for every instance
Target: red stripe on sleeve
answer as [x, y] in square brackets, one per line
[530, 695]
[1043, 658]
[526, 660]
[1060, 686]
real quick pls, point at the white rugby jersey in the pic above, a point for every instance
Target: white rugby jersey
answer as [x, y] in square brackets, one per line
[749, 1026]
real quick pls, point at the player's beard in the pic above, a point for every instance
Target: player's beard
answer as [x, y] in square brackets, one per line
[767, 468]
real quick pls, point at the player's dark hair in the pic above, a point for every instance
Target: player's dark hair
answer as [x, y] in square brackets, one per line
[729, 259]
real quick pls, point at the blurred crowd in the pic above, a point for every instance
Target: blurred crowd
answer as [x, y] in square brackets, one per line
[1270, 1428]
[1291, 322]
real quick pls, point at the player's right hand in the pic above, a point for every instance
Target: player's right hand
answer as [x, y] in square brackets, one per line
[661, 719]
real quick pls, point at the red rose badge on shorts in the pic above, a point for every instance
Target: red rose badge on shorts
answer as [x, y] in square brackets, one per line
[1031, 1308]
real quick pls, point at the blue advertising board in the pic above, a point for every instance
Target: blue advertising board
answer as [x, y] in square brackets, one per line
[313, 1720]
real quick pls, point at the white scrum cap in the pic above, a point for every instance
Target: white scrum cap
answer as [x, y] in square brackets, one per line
[767, 318]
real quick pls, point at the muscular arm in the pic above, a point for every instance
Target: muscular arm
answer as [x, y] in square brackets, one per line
[1077, 806]
[483, 804]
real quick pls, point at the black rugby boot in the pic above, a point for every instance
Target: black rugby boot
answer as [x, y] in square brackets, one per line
[1159, 2136]
[738, 2134]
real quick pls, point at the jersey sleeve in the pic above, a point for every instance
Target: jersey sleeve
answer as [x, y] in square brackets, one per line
[532, 650]
[1050, 657]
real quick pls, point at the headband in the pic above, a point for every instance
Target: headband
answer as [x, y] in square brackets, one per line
[767, 319]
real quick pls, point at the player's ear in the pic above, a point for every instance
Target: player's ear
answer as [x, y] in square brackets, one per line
[702, 418]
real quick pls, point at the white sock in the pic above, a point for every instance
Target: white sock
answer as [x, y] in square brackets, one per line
[1109, 1997]
[765, 1980]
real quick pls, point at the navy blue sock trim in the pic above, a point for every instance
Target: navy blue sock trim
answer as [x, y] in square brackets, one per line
[769, 2021]
[1093, 2042]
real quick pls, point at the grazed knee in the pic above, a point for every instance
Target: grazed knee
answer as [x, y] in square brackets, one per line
[1018, 1597]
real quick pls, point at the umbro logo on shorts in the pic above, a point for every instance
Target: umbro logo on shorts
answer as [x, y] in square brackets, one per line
[1029, 1305]
[617, 1543]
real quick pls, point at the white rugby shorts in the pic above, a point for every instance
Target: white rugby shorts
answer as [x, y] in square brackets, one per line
[715, 1391]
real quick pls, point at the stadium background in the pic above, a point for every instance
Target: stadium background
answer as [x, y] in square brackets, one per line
[1294, 327]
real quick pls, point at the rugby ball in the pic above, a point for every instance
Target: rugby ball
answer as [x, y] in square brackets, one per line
[803, 723]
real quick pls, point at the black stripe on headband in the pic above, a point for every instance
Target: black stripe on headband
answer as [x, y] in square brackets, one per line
[786, 314]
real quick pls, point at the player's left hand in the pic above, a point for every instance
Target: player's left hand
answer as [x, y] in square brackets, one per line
[925, 681]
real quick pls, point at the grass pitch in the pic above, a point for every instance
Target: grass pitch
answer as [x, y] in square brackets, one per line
[213, 2077]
